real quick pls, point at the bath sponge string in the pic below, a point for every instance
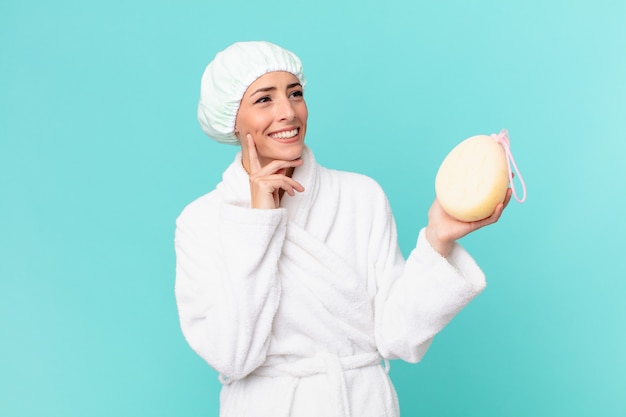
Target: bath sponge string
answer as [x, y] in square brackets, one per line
[503, 139]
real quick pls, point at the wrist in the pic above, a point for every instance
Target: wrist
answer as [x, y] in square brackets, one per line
[441, 246]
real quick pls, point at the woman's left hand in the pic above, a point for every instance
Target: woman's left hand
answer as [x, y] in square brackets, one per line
[443, 230]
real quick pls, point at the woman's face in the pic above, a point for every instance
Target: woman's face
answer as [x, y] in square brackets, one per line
[274, 113]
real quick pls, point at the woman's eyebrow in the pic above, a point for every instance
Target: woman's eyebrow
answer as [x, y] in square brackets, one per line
[263, 90]
[294, 85]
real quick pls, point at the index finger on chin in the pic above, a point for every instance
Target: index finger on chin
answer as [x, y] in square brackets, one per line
[255, 165]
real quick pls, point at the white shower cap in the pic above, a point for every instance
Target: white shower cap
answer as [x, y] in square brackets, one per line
[227, 77]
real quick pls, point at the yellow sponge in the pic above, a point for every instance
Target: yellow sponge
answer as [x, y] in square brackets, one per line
[473, 178]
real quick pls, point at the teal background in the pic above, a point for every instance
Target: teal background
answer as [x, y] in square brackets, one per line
[100, 150]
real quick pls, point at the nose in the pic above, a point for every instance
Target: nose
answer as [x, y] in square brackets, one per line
[285, 110]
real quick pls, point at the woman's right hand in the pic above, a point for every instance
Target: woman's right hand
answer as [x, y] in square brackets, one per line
[266, 182]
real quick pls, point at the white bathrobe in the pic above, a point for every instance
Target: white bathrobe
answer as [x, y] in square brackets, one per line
[297, 307]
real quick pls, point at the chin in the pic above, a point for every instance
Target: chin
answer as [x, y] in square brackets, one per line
[294, 152]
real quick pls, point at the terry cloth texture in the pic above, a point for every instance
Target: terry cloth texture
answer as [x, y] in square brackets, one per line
[296, 306]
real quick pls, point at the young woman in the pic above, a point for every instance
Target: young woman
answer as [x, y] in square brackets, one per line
[289, 279]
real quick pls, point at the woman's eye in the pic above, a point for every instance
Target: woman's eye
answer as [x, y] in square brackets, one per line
[296, 94]
[263, 99]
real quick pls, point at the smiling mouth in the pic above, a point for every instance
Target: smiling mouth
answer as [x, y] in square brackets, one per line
[286, 134]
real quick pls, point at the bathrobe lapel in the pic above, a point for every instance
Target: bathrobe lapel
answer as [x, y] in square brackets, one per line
[326, 299]
[323, 297]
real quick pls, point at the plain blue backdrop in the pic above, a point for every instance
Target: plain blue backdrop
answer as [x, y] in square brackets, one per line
[100, 150]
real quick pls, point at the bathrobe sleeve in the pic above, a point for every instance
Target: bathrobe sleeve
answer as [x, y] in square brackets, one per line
[227, 288]
[416, 298]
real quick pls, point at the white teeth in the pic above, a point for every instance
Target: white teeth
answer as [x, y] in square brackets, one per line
[285, 135]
